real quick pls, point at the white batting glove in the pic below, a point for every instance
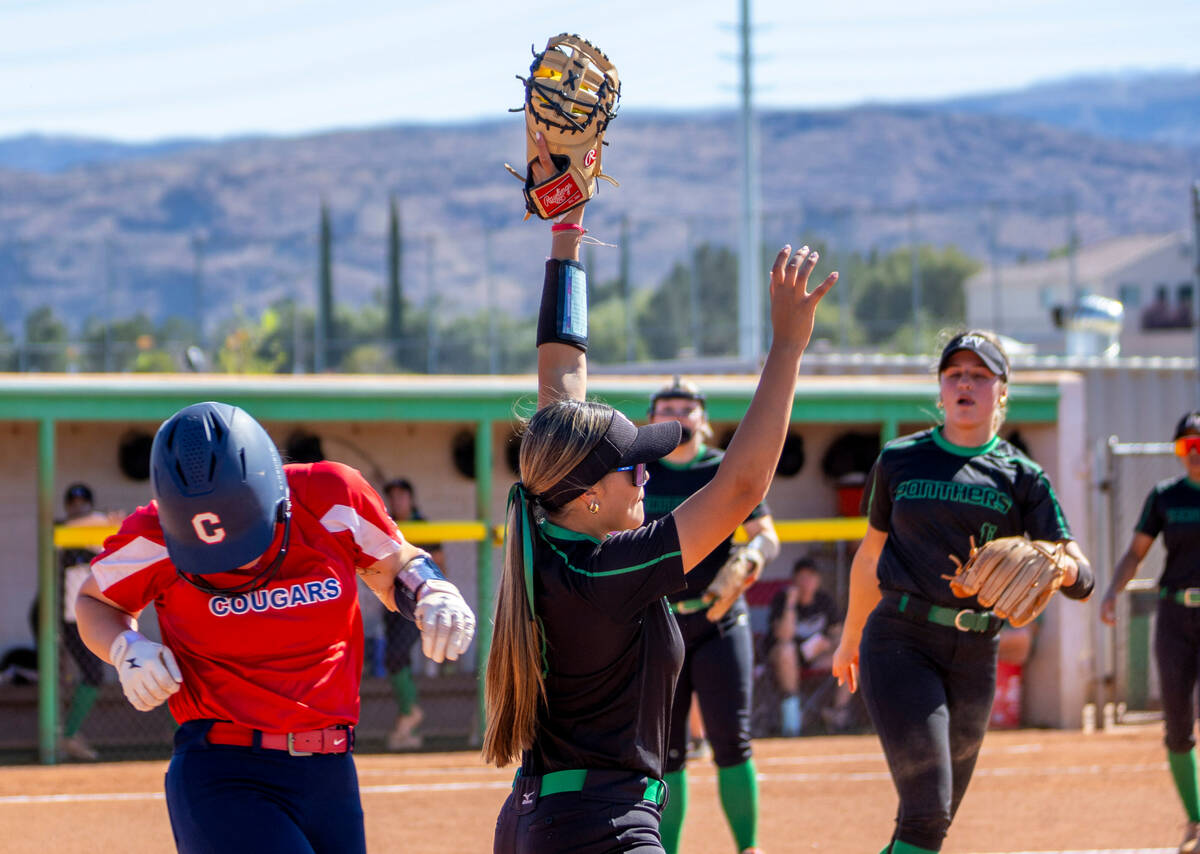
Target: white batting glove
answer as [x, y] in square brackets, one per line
[446, 621]
[148, 671]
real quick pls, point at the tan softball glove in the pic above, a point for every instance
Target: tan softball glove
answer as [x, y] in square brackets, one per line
[741, 569]
[571, 95]
[1014, 576]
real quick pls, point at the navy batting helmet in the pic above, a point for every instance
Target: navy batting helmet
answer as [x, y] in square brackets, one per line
[220, 488]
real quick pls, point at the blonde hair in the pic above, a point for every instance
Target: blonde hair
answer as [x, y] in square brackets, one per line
[556, 439]
[945, 337]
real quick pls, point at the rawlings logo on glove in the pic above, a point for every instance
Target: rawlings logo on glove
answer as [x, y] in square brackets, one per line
[1013, 576]
[571, 95]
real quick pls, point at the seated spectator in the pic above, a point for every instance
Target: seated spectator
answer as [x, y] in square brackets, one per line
[804, 630]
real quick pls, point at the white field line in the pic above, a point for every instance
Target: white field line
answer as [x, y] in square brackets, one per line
[478, 785]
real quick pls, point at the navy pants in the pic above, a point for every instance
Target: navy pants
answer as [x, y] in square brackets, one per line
[718, 665]
[928, 689]
[1177, 653]
[608, 816]
[245, 800]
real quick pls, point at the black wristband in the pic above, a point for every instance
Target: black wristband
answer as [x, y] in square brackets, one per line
[562, 318]
[1085, 581]
[409, 580]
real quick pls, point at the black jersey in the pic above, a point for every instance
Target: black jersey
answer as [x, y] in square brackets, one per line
[613, 650]
[931, 497]
[1173, 509]
[673, 483]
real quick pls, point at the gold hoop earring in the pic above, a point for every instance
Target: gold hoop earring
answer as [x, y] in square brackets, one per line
[940, 405]
[593, 508]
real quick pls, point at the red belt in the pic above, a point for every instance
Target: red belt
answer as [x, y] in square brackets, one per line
[332, 739]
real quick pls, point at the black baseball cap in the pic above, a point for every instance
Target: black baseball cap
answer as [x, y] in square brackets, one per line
[623, 444]
[78, 490]
[1189, 423]
[991, 355]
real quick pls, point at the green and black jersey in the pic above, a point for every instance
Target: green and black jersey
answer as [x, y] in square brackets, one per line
[673, 483]
[931, 497]
[1173, 509]
[612, 648]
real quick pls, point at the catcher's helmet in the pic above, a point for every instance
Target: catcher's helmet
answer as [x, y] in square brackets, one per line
[220, 488]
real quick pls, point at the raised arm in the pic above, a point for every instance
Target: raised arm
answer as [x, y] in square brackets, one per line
[562, 366]
[711, 514]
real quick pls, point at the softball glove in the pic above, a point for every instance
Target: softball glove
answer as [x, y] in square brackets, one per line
[1014, 576]
[570, 97]
[740, 570]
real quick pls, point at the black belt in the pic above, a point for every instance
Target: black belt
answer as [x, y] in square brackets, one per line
[964, 619]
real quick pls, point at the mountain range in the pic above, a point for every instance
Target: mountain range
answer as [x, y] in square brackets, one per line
[208, 227]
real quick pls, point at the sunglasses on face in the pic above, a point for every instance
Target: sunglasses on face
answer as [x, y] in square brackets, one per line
[640, 476]
[1185, 445]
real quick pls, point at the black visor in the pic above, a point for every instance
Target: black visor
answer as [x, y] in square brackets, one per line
[981, 347]
[623, 444]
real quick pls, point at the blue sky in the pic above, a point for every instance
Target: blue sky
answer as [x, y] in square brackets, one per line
[149, 69]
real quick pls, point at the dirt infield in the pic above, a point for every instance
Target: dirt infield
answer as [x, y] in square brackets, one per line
[1054, 791]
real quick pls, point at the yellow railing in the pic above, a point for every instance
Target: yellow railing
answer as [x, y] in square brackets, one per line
[790, 531]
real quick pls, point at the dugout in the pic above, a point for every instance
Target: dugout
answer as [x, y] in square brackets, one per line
[450, 436]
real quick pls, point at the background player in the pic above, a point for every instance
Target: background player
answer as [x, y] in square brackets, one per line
[1173, 509]
[928, 659]
[718, 662]
[400, 634]
[585, 656]
[251, 566]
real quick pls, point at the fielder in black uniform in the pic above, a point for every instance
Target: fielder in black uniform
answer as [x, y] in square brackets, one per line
[1173, 509]
[586, 653]
[928, 659]
[718, 663]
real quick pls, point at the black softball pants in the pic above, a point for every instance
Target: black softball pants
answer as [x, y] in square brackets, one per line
[928, 689]
[718, 665]
[1177, 653]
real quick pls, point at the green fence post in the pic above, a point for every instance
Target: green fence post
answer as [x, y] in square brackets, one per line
[483, 573]
[48, 604]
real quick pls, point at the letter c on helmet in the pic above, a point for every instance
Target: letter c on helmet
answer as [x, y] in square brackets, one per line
[208, 527]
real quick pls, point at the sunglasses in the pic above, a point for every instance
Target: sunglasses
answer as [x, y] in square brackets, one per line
[1185, 445]
[640, 476]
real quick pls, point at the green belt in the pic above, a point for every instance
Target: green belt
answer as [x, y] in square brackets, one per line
[1189, 597]
[689, 606]
[572, 780]
[965, 620]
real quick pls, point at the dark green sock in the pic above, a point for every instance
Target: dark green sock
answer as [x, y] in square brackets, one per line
[404, 689]
[1183, 769]
[738, 787]
[671, 826]
[81, 704]
[899, 847]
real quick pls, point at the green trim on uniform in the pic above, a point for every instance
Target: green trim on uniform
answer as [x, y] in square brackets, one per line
[1183, 772]
[670, 828]
[961, 450]
[561, 533]
[663, 461]
[622, 571]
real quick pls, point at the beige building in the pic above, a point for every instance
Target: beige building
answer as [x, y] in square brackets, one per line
[1152, 275]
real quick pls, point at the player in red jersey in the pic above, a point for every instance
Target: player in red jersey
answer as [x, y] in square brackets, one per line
[251, 567]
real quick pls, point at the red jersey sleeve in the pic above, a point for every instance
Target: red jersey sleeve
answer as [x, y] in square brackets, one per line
[133, 569]
[351, 510]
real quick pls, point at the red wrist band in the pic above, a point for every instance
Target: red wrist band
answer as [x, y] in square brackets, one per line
[567, 226]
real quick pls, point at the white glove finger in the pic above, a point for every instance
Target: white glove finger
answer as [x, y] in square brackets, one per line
[428, 623]
[465, 633]
[168, 659]
[139, 696]
[163, 684]
[454, 638]
[444, 620]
